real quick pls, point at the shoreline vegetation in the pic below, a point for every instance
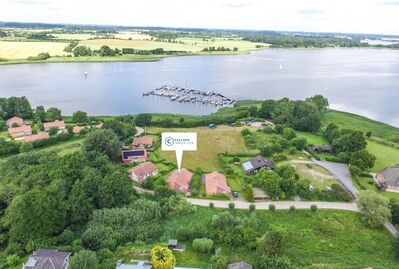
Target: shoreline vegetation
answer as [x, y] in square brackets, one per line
[22, 43]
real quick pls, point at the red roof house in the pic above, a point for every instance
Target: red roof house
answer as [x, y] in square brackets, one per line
[14, 120]
[58, 123]
[143, 171]
[31, 138]
[216, 183]
[20, 131]
[142, 141]
[180, 181]
[76, 129]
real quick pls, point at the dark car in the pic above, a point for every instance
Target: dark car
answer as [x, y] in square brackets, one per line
[234, 194]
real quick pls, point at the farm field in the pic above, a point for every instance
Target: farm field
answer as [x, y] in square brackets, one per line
[211, 142]
[22, 50]
[328, 239]
[312, 138]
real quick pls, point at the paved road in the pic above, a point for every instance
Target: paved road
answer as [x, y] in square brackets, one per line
[139, 131]
[286, 205]
[279, 204]
[341, 172]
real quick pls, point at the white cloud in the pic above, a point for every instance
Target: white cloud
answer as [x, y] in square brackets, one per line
[355, 16]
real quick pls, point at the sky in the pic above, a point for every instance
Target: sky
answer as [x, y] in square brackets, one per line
[346, 16]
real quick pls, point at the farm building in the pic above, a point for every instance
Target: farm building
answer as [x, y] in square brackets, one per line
[60, 124]
[48, 258]
[216, 183]
[255, 164]
[134, 155]
[31, 138]
[327, 148]
[389, 178]
[143, 171]
[20, 131]
[142, 142]
[14, 121]
[180, 181]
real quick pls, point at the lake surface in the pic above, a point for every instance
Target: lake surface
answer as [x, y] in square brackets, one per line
[362, 81]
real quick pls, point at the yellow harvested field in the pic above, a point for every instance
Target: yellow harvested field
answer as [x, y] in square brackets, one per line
[22, 50]
[189, 44]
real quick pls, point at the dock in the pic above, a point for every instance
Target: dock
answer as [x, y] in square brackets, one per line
[189, 95]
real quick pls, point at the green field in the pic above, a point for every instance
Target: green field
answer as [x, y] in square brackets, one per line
[211, 142]
[328, 239]
[386, 156]
[312, 138]
[360, 123]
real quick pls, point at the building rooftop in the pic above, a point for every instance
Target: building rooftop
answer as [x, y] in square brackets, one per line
[143, 169]
[47, 259]
[215, 183]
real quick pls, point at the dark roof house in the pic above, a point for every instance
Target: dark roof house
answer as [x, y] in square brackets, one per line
[239, 265]
[389, 178]
[47, 259]
[327, 148]
[134, 155]
[253, 165]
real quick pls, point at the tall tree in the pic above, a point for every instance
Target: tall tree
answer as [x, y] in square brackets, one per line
[103, 141]
[374, 207]
[116, 190]
[83, 259]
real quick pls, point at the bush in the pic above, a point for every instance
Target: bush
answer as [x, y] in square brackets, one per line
[272, 207]
[252, 207]
[211, 205]
[203, 245]
[313, 208]
[292, 208]
[279, 157]
[12, 260]
[231, 205]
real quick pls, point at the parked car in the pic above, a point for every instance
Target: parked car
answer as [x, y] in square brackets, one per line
[234, 194]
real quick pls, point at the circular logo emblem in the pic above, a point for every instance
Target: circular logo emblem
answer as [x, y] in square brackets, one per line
[169, 141]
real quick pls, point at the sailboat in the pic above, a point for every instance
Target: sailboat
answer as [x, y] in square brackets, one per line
[280, 67]
[85, 74]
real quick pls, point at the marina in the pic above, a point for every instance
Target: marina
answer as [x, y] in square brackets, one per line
[188, 95]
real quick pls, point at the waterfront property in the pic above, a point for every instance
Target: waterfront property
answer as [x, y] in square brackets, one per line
[142, 142]
[20, 131]
[180, 181]
[388, 178]
[31, 138]
[14, 122]
[253, 165]
[48, 259]
[60, 124]
[134, 155]
[143, 171]
[216, 183]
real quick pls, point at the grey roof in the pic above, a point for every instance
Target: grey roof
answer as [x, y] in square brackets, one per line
[47, 259]
[239, 265]
[256, 163]
[389, 176]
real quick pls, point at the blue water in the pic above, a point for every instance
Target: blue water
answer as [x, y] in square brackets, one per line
[363, 81]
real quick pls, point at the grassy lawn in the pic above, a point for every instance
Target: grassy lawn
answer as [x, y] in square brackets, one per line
[65, 148]
[328, 239]
[356, 122]
[385, 155]
[319, 177]
[312, 138]
[22, 50]
[211, 142]
[4, 134]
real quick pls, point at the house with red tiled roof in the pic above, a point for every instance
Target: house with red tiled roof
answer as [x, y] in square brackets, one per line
[20, 131]
[216, 183]
[58, 123]
[142, 142]
[76, 129]
[31, 138]
[180, 181]
[14, 121]
[143, 171]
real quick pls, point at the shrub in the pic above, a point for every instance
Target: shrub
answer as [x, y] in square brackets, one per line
[279, 157]
[252, 207]
[219, 261]
[313, 208]
[245, 132]
[292, 208]
[12, 260]
[231, 205]
[203, 245]
[211, 205]
[272, 207]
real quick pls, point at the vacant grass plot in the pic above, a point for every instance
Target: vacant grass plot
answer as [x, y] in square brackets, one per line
[327, 239]
[211, 142]
[385, 155]
[22, 50]
[312, 138]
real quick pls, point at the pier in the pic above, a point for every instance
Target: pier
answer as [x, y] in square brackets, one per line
[188, 95]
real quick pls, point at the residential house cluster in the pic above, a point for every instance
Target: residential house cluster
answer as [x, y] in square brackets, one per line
[18, 130]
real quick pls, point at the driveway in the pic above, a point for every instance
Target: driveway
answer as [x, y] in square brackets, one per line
[341, 172]
[139, 131]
